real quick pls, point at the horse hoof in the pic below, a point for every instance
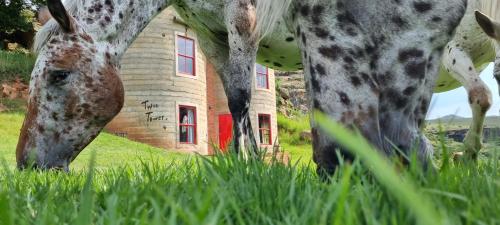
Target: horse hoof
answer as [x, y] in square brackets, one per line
[458, 157]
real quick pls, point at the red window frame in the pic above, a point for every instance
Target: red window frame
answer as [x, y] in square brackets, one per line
[262, 74]
[181, 125]
[179, 55]
[268, 117]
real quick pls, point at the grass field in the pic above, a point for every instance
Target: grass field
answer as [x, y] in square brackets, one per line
[131, 183]
[111, 151]
[455, 122]
[16, 65]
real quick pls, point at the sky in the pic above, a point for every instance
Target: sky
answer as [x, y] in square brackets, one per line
[456, 101]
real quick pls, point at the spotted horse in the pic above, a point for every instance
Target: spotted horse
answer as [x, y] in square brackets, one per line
[368, 64]
[474, 46]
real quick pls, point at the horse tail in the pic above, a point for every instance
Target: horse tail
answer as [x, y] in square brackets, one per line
[268, 13]
[491, 8]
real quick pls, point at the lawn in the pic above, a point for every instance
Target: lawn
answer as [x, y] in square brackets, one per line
[111, 151]
[172, 188]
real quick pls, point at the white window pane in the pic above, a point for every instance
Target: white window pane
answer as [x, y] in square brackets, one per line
[190, 136]
[261, 69]
[181, 45]
[189, 47]
[190, 114]
[182, 64]
[189, 66]
[261, 81]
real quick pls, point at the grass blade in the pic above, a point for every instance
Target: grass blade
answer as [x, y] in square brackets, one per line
[404, 190]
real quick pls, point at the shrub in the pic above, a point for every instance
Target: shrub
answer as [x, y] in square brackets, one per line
[16, 64]
[292, 128]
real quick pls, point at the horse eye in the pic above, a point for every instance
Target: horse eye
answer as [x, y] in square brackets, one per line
[58, 76]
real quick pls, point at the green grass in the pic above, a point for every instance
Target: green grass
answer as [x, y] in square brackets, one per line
[290, 140]
[165, 188]
[229, 191]
[111, 151]
[14, 105]
[290, 129]
[453, 123]
[16, 65]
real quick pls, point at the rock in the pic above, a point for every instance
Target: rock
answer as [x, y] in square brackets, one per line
[284, 93]
[292, 92]
[14, 90]
[306, 136]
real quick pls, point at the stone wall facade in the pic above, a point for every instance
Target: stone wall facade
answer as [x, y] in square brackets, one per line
[154, 90]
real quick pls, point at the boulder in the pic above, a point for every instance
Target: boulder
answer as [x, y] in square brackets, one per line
[306, 136]
[14, 90]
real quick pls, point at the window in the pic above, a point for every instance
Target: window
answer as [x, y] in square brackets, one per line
[187, 125]
[262, 76]
[265, 129]
[186, 63]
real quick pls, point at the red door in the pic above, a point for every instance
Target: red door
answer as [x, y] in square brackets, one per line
[225, 131]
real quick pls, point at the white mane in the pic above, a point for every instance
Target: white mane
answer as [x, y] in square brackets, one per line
[51, 27]
[491, 8]
[269, 12]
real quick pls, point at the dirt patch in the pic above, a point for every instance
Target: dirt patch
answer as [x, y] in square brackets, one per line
[14, 90]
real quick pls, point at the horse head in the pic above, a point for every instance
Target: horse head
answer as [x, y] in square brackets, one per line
[492, 29]
[74, 92]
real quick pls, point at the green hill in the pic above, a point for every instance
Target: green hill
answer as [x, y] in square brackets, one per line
[111, 151]
[457, 122]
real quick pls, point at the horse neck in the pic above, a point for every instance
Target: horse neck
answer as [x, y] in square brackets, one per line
[118, 22]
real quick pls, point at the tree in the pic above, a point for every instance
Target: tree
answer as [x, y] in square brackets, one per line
[17, 16]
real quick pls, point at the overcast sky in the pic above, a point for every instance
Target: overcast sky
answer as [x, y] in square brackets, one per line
[456, 101]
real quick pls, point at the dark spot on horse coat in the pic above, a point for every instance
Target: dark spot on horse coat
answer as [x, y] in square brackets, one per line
[422, 7]
[355, 81]
[416, 69]
[317, 12]
[321, 33]
[321, 70]
[332, 52]
[395, 97]
[400, 22]
[409, 90]
[436, 19]
[304, 10]
[407, 54]
[344, 98]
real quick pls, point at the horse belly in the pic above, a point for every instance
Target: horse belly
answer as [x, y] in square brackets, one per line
[279, 50]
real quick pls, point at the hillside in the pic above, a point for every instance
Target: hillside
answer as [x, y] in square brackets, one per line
[457, 122]
[111, 151]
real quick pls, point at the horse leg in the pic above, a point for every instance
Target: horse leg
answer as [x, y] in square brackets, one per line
[234, 60]
[460, 66]
[339, 85]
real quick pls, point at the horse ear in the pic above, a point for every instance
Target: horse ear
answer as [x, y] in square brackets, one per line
[490, 27]
[59, 13]
[43, 15]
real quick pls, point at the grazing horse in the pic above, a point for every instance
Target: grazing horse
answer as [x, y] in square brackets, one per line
[368, 64]
[467, 53]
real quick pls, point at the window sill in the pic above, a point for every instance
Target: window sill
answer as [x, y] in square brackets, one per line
[194, 77]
